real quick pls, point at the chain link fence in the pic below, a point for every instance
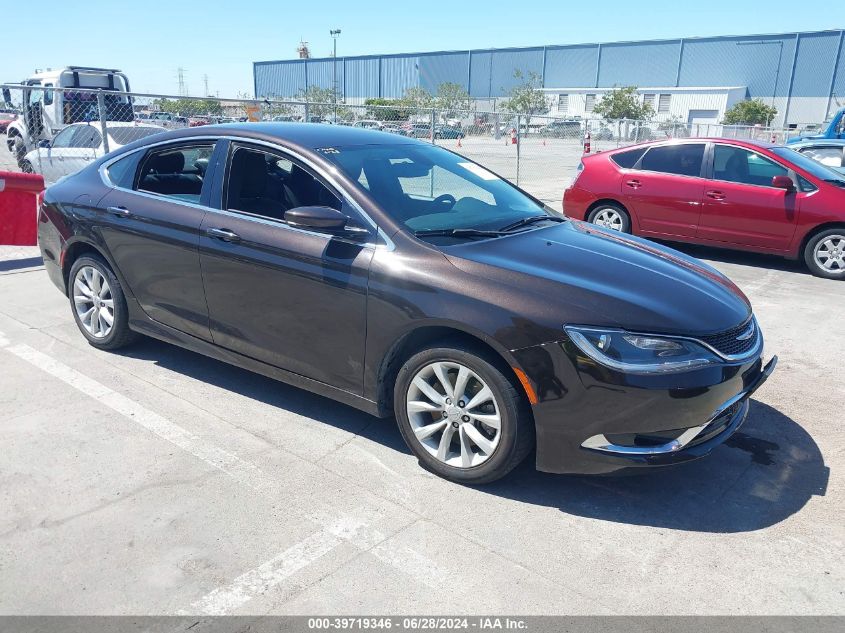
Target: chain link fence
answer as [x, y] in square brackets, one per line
[56, 131]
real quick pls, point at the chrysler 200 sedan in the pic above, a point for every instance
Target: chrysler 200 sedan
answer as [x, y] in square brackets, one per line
[403, 279]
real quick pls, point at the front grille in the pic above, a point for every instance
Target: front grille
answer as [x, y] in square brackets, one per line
[727, 343]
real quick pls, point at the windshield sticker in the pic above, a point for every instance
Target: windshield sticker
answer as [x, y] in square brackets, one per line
[479, 171]
[328, 150]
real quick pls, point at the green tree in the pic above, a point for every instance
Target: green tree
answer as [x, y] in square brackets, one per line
[526, 97]
[750, 112]
[321, 100]
[387, 109]
[623, 103]
[189, 107]
[451, 97]
[417, 98]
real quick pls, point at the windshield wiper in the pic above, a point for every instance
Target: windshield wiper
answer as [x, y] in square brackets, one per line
[532, 219]
[457, 233]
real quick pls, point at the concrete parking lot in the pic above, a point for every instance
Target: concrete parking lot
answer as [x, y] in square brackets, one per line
[157, 481]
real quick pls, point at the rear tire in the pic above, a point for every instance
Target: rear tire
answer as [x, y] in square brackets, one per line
[18, 149]
[26, 167]
[825, 254]
[611, 216]
[455, 435]
[98, 304]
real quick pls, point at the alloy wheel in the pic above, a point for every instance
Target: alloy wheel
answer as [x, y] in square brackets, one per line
[609, 218]
[830, 253]
[454, 414]
[93, 301]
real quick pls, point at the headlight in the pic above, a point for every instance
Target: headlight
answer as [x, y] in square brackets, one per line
[639, 353]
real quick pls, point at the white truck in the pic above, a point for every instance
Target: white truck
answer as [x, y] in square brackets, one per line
[46, 111]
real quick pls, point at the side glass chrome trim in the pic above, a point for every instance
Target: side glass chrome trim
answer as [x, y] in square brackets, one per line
[322, 173]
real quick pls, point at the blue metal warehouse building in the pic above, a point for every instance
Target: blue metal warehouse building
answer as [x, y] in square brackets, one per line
[802, 74]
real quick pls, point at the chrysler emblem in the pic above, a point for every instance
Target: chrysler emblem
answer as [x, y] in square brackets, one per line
[747, 334]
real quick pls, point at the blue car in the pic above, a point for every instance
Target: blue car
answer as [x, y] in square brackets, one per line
[828, 152]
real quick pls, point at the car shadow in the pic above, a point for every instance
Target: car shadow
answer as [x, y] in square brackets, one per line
[744, 258]
[762, 475]
[8, 265]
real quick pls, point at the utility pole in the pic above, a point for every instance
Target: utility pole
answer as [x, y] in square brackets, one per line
[334, 33]
[180, 77]
[205, 81]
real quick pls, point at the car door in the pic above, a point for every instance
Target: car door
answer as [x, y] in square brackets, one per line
[81, 149]
[291, 298]
[50, 158]
[665, 189]
[150, 224]
[740, 205]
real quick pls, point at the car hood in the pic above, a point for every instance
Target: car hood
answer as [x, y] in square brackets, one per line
[623, 280]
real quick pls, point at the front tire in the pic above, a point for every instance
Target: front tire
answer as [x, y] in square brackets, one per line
[461, 416]
[98, 304]
[825, 254]
[26, 167]
[611, 216]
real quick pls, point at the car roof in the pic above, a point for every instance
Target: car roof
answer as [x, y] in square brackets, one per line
[308, 135]
[742, 142]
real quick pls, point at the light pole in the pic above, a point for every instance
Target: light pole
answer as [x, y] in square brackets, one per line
[334, 33]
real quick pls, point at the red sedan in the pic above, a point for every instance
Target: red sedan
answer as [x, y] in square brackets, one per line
[718, 192]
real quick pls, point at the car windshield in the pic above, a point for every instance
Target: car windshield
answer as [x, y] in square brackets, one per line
[128, 134]
[430, 189]
[808, 164]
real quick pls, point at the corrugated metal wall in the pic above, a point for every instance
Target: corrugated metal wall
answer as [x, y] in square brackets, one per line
[788, 67]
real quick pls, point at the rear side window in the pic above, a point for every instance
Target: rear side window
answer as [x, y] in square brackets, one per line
[628, 159]
[683, 159]
[121, 172]
[176, 172]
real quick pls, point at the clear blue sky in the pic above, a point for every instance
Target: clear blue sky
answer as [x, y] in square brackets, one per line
[150, 40]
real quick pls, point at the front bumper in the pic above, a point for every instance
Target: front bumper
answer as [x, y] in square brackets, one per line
[591, 419]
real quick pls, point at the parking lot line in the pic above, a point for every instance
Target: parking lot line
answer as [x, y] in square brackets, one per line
[336, 529]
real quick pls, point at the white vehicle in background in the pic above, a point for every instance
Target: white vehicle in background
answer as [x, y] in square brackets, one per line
[46, 110]
[77, 145]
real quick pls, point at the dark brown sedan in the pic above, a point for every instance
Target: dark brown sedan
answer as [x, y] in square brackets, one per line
[403, 279]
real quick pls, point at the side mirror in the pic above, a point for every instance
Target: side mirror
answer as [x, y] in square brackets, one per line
[45, 144]
[783, 182]
[323, 219]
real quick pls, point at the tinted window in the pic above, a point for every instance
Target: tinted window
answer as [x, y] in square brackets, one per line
[829, 156]
[628, 159]
[176, 172]
[735, 164]
[122, 172]
[267, 184]
[682, 159]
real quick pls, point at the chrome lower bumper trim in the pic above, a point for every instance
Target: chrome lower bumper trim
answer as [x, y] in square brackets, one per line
[601, 443]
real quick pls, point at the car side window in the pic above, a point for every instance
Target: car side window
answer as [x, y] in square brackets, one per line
[683, 159]
[830, 156]
[176, 172]
[122, 172]
[267, 184]
[628, 159]
[64, 138]
[735, 164]
[86, 136]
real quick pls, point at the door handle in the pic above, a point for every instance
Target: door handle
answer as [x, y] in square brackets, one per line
[121, 212]
[716, 195]
[633, 183]
[223, 234]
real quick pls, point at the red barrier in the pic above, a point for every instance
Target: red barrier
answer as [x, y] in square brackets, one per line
[19, 208]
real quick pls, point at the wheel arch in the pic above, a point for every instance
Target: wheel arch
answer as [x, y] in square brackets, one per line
[802, 245]
[74, 251]
[609, 201]
[424, 336]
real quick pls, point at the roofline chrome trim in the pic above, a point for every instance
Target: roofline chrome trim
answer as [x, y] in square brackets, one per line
[388, 243]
